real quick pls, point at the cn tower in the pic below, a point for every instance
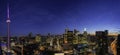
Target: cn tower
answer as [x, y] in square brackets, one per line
[8, 29]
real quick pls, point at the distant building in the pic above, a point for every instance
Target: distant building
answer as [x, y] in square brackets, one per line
[65, 34]
[22, 39]
[92, 38]
[85, 36]
[30, 34]
[85, 33]
[66, 46]
[49, 40]
[38, 38]
[68, 36]
[76, 37]
[102, 42]
[76, 32]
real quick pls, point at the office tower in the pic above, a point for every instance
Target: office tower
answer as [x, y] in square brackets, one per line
[75, 32]
[85, 33]
[66, 30]
[75, 37]
[68, 36]
[49, 40]
[102, 42]
[65, 34]
[118, 45]
[85, 36]
[38, 38]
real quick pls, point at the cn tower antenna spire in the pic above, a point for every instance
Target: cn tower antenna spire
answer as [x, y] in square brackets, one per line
[8, 11]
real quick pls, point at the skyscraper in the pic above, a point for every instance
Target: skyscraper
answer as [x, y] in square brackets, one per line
[0, 47]
[118, 45]
[102, 42]
[38, 38]
[85, 36]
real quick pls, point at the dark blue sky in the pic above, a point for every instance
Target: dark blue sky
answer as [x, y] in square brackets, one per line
[52, 16]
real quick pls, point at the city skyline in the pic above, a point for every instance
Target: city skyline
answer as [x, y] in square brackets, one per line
[52, 16]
